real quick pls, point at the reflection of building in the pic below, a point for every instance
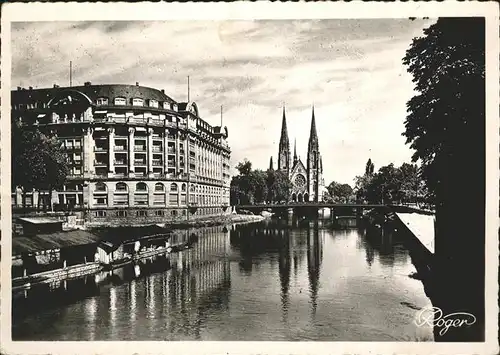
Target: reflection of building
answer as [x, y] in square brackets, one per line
[134, 151]
[314, 256]
[307, 180]
[285, 272]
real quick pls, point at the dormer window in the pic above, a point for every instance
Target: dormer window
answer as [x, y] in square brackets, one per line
[102, 101]
[166, 105]
[120, 101]
[137, 102]
[153, 103]
[174, 107]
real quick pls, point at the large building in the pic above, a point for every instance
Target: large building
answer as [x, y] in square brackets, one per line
[307, 180]
[135, 153]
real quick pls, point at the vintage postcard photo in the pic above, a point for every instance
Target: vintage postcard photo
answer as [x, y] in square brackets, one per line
[305, 177]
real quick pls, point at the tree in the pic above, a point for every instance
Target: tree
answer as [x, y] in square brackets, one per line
[38, 161]
[244, 167]
[279, 186]
[445, 126]
[340, 192]
[251, 186]
[369, 168]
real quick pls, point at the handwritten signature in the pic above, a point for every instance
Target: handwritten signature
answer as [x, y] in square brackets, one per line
[433, 316]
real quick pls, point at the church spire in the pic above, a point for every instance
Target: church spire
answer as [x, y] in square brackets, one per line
[313, 136]
[284, 130]
[284, 146]
[271, 163]
[295, 152]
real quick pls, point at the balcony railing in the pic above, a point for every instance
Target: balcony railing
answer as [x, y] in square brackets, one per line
[139, 148]
[100, 149]
[120, 148]
[139, 162]
[100, 163]
[157, 149]
[157, 163]
[120, 162]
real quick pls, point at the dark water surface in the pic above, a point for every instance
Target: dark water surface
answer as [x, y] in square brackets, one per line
[279, 280]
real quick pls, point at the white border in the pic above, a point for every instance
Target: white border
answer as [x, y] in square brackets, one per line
[257, 10]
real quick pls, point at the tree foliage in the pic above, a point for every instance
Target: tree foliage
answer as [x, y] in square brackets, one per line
[38, 161]
[391, 184]
[369, 167]
[340, 192]
[448, 68]
[258, 186]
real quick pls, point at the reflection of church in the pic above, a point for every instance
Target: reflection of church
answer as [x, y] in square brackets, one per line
[307, 180]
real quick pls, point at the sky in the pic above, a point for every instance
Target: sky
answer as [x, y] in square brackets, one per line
[350, 70]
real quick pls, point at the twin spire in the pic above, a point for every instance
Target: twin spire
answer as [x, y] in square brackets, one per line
[285, 143]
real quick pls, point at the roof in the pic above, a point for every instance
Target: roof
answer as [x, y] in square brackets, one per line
[94, 91]
[57, 240]
[40, 220]
[108, 246]
[127, 234]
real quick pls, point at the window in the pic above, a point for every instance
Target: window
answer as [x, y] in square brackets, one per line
[174, 213]
[141, 200]
[120, 101]
[121, 213]
[173, 199]
[173, 187]
[137, 102]
[159, 199]
[159, 213]
[159, 187]
[121, 187]
[141, 187]
[102, 101]
[142, 213]
[174, 107]
[166, 105]
[100, 187]
[101, 200]
[120, 199]
[153, 103]
[100, 213]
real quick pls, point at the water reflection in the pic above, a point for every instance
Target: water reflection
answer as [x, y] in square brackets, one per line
[314, 255]
[290, 280]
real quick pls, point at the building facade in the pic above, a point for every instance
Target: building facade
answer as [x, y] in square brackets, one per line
[307, 180]
[135, 153]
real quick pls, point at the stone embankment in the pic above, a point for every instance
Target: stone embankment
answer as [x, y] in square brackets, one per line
[186, 224]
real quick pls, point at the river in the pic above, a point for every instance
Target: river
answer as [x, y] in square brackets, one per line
[274, 280]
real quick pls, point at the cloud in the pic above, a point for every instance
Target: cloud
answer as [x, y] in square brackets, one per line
[351, 70]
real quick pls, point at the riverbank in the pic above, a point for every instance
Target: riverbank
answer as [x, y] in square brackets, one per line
[122, 234]
[201, 222]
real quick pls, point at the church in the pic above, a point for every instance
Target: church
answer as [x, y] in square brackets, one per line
[307, 180]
